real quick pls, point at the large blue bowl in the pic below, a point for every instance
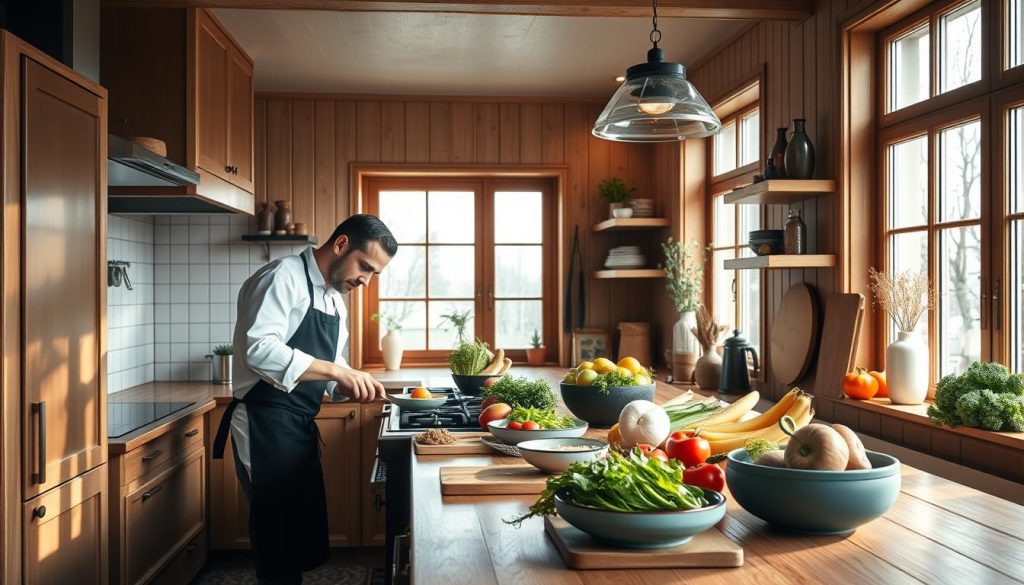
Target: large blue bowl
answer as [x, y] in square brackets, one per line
[643, 529]
[814, 502]
[599, 409]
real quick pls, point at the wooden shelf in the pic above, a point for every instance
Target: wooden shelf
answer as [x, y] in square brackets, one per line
[272, 239]
[782, 261]
[632, 223]
[632, 273]
[780, 191]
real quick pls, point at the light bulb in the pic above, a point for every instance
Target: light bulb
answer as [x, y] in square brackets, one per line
[655, 108]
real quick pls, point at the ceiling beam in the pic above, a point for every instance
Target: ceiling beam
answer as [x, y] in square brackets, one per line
[720, 9]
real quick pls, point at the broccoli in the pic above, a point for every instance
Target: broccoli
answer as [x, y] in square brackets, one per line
[986, 396]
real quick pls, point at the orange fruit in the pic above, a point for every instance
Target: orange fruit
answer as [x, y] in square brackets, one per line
[420, 392]
[631, 364]
[602, 365]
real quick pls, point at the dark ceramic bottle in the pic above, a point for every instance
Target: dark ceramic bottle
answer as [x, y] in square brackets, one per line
[799, 153]
[778, 154]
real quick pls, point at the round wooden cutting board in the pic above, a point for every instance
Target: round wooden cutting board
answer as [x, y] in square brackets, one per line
[794, 334]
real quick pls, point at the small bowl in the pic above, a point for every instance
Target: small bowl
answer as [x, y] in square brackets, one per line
[814, 502]
[545, 455]
[643, 529]
[623, 212]
[599, 409]
[472, 385]
[516, 436]
[406, 402]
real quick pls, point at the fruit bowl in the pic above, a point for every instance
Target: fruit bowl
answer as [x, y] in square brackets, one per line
[472, 385]
[555, 455]
[600, 409]
[516, 436]
[643, 529]
[406, 402]
[814, 502]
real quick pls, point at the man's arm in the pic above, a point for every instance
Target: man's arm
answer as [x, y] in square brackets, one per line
[357, 385]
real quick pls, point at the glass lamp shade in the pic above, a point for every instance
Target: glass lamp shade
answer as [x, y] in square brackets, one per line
[656, 108]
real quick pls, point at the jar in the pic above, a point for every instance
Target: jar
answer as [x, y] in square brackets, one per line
[795, 239]
[283, 215]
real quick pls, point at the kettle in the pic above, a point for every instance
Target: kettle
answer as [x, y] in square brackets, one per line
[735, 378]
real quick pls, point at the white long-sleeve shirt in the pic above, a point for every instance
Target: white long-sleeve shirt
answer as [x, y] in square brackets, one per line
[271, 305]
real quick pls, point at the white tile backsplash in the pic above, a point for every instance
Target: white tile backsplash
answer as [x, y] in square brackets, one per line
[130, 315]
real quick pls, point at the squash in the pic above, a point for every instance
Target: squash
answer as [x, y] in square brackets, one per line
[860, 385]
[858, 457]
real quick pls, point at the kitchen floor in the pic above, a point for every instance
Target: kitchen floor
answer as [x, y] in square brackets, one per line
[346, 567]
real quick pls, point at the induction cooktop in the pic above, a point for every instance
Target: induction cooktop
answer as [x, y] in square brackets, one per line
[125, 417]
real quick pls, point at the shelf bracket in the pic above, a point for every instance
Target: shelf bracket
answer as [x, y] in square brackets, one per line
[266, 251]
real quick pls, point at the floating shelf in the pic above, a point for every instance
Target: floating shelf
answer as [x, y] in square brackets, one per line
[632, 273]
[782, 261]
[267, 240]
[632, 223]
[780, 191]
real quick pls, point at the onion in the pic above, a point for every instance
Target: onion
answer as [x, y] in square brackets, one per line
[643, 421]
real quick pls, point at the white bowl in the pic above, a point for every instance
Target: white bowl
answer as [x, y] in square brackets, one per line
[406, 402]
[516, 436]
[623, 212]
[545, 455]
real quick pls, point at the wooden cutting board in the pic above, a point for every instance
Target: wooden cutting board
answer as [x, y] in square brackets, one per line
[794, 334]
[492, 480]
[465, 444]
[843, 315]
[579, 550]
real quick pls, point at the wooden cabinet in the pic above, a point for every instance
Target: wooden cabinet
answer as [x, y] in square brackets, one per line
[373, 497]
[339, 426]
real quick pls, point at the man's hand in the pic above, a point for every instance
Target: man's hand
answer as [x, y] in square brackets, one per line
[359, 386]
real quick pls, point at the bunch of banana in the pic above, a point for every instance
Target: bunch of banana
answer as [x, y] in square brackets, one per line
[726, 435]
[498, 366]
[732, 413]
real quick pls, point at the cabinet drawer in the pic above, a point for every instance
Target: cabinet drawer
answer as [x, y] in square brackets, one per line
[162, 515]
[186, 564]
[181, 439]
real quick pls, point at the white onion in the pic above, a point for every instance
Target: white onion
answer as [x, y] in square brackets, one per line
[643, 421]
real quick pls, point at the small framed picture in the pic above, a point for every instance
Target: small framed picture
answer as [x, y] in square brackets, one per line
[589, 344]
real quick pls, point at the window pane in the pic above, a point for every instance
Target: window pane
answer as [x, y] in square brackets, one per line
[750, 306]
[908, 183]
[1016, 29]
[909, 68]
[518, 217]
[405, 275]
[517, 271]
[725, 149]
[725, 223]
[412, 316]
[961, 47]
[452, 271]
[442, 332]
[1017, 295]
[452, 217]
[405, 214]
[750, 220]
[750, 139]
[725, 308]
[960, 267]
[908, 252]
[516, 321]
[960, 172]
[1015, 160]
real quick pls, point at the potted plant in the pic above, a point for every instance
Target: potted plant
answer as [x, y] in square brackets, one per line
[617, 194]
[906, 298]
[221, 363]
[535, 354]
[459, 320]
[391, 346]
[684, 276]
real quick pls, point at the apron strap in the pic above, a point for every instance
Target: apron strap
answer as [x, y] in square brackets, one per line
[224, 429]
[309, 281]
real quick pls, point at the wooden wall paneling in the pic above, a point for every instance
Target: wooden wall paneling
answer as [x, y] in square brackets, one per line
[368, 131]
[531, 133]
[508, 134]
[345, 153]
[595, 246]
[303, 151]
[463, 133]
[279, 150]
[440, 132]
[324, 171]
[417, 132]
[259, 115]
[553, 145]
[488, 146]
[392, 132]
[576, 193]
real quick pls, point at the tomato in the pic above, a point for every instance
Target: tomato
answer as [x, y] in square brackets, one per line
[653, 452]
[514, 425]
[531, 426]
[688, 447]
[705, 475]
[859, 385]
[487, 402]
[883, 386]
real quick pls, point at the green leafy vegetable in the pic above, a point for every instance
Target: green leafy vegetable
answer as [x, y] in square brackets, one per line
[547, 418]
[688, 413]
[623, 483]
[611, 379]
[522, 392]
[986, 396]
[757, 447]
[469, 358]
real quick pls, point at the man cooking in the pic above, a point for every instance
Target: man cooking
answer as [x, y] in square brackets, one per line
[288, 342]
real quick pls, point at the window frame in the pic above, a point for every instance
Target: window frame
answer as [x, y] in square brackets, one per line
[1001, 221]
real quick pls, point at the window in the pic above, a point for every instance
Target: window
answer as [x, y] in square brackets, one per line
[482, 246]
[1014, 31]
[1014, 228]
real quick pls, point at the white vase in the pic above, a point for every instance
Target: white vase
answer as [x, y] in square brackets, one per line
[906, 369]
[683, 340]
[391, 347]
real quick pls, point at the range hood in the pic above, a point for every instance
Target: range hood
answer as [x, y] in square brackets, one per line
[130, 165]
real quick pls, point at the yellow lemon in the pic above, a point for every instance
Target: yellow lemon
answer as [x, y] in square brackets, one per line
[631, 364]
[584, 365]
[624, 372]
[602, 365]
[586, 377]
[641, 380]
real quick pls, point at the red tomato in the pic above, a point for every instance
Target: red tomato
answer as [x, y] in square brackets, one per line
[531, 426]
[705, 475]
[652, 452]
[688, 447]
[487, 402]
[514, 425]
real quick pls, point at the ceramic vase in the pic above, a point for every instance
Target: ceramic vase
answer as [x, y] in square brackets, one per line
[799, 153]
[535, 356]
[265, 219]
[283, 215]
[906, 369]
[391, 347]
[778, 155]
[683, 340]
[708, 370]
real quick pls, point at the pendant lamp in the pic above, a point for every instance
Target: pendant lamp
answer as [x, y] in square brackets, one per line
[656, 103]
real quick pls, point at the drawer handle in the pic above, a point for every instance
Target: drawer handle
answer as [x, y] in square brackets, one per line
[152, 456]
[152, 492]
[192, 433]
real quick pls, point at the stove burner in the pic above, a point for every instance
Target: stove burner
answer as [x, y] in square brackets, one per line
[459, 412]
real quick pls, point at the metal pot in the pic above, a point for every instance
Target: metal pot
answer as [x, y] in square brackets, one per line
[221, 368]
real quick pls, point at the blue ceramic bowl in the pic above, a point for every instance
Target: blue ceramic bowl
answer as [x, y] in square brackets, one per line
[472, 385]
[643, 529]
[814, 502]
[599, 409]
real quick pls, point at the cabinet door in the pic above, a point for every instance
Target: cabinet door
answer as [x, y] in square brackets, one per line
[240, 121]
[212, 55]
[339, 426]
[65, 534]
[63, 430]
[373, 499]
[229, 510]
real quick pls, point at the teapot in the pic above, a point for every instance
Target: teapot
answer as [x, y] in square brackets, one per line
[735, 377]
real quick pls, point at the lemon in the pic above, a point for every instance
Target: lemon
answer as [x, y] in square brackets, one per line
[624, 372]
[586, 377]
[569, 378]
[631, 364]
[641, 379]
[602, 365]
[585, 365]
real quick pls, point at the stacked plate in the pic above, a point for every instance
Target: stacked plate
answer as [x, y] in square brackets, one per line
[643, 208]
[625, 257]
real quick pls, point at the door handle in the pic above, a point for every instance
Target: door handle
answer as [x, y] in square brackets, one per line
[490, 296]
[40, 409]
[997, 319]
[152, 492]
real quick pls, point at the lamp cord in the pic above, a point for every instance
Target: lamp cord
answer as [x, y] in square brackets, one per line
[655, 33]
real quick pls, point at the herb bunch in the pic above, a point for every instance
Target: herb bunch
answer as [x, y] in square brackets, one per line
[684, 274]
[522, 393]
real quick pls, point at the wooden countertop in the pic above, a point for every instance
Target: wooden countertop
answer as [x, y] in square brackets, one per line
[938, 531]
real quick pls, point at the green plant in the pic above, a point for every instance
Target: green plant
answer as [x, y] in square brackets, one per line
[535, 340]
[459, 320]
[986, 396]
[223, 349]
[613, 190]
[390, 323]
[684, 275]
[469, 358]
[522, 392]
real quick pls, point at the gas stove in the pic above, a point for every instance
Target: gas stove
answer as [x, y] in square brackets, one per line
[458, 414]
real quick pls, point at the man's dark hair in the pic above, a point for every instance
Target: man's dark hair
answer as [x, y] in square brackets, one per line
[363, 228]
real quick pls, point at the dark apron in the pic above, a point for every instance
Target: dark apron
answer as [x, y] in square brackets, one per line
[287, 505]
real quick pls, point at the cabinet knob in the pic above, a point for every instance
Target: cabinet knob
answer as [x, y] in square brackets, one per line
[227, 168]
[39, 512]
[352, 414]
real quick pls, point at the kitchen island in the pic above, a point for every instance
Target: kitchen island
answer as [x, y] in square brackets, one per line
[938, 531]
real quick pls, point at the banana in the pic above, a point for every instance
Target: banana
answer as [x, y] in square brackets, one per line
[796, 408]
[496, 364]
[732, 413]
[506, 365]
[767, 418]
[773, 433]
